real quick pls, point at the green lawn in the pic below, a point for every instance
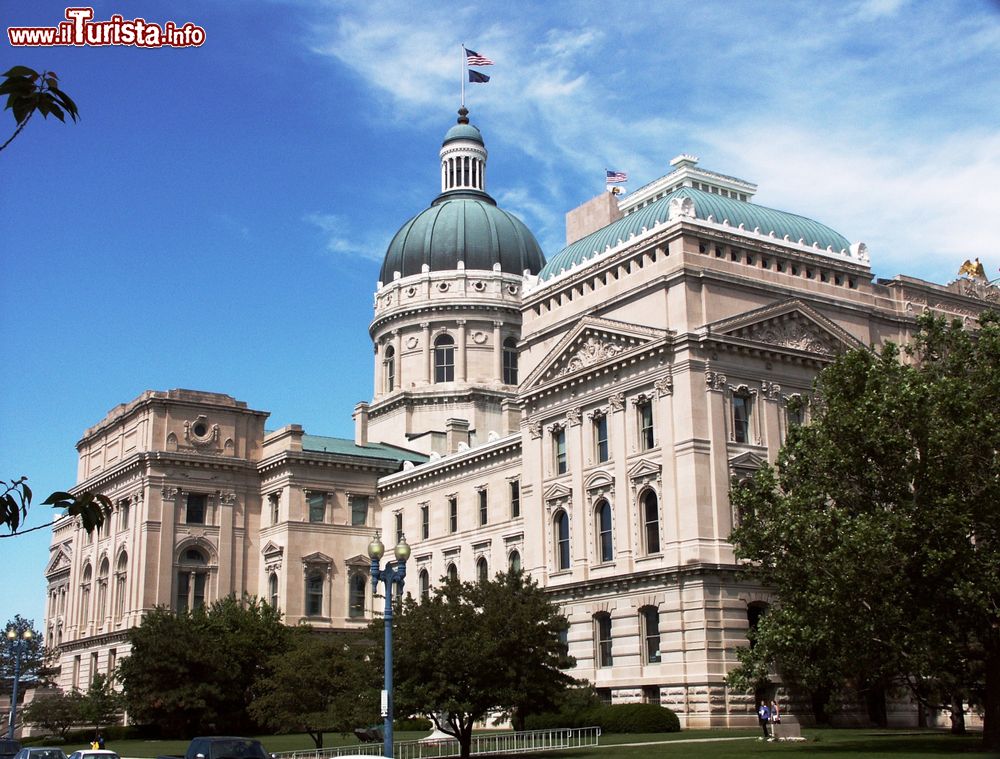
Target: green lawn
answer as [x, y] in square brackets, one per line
[874, 744]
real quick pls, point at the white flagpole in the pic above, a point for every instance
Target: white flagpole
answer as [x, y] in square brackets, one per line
[463, 74]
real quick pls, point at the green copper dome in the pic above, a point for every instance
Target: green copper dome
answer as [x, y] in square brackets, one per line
[706, 204]
[463, 132]
[466, 227]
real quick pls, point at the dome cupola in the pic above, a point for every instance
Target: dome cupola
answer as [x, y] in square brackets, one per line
[463, 228]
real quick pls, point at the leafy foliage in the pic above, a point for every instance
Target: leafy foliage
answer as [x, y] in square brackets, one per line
[102, 704]
[195, 672]
[318, 684]
[476, 648]
[613, 718]
[90, 508]
[29, 91]
[32, 654]
[56, 713]
[880, 530]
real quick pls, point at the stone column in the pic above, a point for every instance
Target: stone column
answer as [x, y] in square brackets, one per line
[460, 351]
[428, 353]
[397, 346]
[497, 352]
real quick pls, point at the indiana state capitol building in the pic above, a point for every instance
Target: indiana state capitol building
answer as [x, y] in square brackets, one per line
[581, 418]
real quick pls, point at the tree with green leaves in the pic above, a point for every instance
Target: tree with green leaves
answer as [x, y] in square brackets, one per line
[102, 704]
[90, 508]
[879, 527]
[475, 649]
[56, 713]
[32, 654]
[29, 91]
[319, 683]
[192, 672]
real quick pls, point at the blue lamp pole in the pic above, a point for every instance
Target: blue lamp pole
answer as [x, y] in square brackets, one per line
[18, 644]
[393, 574]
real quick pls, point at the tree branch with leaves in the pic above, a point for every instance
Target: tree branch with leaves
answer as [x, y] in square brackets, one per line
[29, 91]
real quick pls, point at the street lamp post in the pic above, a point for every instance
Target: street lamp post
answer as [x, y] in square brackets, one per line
[18, 644]
[394, 573]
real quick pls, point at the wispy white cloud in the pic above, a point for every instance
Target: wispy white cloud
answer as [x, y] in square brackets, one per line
[344, 239]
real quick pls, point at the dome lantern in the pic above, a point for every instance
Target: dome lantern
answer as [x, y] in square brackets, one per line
[463, 157]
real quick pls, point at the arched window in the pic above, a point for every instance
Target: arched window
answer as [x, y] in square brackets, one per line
[650, 619]
[561, 536]
[389, 368]
[356, 602]
[121, 573]
[651, 522]
[314, 593]
[452, 572]
[272, 590]
[102, 591]
[755, 612]
[605, 544]
[444, 359]
[424, 585]
[88, 574]
[482, 570]
[602, 639]
[514, 561]
[510, 361]
[192, 575]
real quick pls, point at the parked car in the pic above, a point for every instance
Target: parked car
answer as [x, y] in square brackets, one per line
[40, 752]
[94, 753]
[220, 747]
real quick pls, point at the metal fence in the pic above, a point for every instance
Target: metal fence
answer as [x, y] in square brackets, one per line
[483, 744]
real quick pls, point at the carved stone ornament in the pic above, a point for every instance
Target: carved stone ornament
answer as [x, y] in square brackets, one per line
[573, 417]
[598, 413]
[479, 337]
[617, 401]
[715, 381]
[227, 499]
[641, 399]
[198, 432]
[770, 390]
[664, 386]
[411, 342]
[591, 352]
[791, 334]
[535, 430]
[169, 493]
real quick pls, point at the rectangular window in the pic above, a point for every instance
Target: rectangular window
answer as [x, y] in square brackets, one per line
[76, 671]
[273, 501]
[515, 499]
[399, 526]
[112, 663]
[646, 438]
[602, 623]
[484, 514]
[601, 437]
[559, 443]
[359, 510]
[453, 514]
[196, 508]
[123, 516]
[317, 507]
[651, 634]
[425, 522]
[93, 666]
[741, 418]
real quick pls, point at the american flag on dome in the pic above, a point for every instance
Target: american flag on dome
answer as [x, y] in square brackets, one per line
[475, 59]
[614, 177]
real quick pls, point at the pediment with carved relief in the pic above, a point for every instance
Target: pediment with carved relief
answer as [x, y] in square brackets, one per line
[359, 561]
[792, 325]
[59, 563]
[556, 492]
[591, 343]
[272, 549]
[317, 558]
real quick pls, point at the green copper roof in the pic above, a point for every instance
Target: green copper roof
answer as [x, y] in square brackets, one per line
[344, 447]
[706, 204]
[462, 226]
[463, 132]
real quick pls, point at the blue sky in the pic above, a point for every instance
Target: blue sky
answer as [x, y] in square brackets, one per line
[217, 218]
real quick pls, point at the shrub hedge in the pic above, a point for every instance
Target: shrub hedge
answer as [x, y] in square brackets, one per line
[616, 718]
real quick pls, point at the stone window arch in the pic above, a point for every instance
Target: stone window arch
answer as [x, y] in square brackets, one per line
[88, 574]
[452, 571]
[121, 578]
[424, 585]
[272, 589]
[314, 592]
[514, 561]
[560, 539]
[356, 595]
[482, 570]
[389, 368]
[102, 591]
[603, 531]
[510, 361]
[649, 514]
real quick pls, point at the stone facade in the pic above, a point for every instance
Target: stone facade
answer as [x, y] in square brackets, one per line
[583, 424]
